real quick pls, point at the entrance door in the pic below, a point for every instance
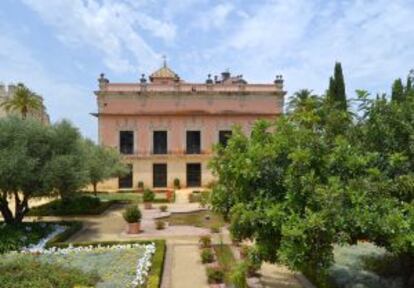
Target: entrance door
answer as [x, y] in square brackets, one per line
[159, 175]
[194, 175]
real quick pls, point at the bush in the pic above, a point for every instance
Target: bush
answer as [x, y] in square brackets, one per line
[215, 275]
[244, 251]
[159, 225]
[205, 241]
[238, 275]
[163, 208]
[149, 195]
[140, 185]
[207, 256]
[177, 184]
[28, 272]
[204, 198]
[15, 237]
[253, 261]
[215, 229]
[132, 214]
[194, 197]
[79, 205]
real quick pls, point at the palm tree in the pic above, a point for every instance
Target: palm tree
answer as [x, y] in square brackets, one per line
[300, 100]
[23, 100]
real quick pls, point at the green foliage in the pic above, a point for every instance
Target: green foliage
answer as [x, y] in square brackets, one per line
[215, 275]
[320, 176]
[23, 271]
[23, 101]
[336, 93]
[177, 183]
[78, 205]
[397, 91]
[103, 163]
[15, 237]
[205, 198]
[238, 275]
[159, 225]
[163, 208]
[207, 256]
[149, 195]
[132, 214]
[205, 241]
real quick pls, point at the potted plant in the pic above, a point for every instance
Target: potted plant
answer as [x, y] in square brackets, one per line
[140, 185]
[132, 216]
[177, 184]
[148, 197]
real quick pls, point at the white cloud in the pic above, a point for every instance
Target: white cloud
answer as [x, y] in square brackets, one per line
[215, 17]
[110, 27]
[62, 99]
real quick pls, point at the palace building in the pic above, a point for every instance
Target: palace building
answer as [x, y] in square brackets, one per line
[165, 128]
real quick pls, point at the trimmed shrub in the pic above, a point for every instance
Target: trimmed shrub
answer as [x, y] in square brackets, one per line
[177, 184]
[163, 208]
[149, 195]
[132, 214]
[215, 275]
[159, 225]
[205, 241]
[215, 229]
[207, 256]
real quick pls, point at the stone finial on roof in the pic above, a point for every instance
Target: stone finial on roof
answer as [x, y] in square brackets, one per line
[102, 81]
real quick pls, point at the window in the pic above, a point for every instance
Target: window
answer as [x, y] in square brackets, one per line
[126, 142]
[193, 142]
[159, 175]
[160, 142]
[126, 180]
[194, 175]
[224, 137]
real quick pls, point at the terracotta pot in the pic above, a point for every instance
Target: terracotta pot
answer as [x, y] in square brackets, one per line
[147, 205]
[134, 228]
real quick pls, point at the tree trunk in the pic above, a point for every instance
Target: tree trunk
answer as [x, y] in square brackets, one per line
[95, 191]
[22, 207]
[5, 210]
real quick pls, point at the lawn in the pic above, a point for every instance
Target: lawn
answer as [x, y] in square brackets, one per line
[204, 219]
[226, 260]
[79, 205]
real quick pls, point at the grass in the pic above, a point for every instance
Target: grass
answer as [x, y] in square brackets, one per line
[79, 205]
[226, 260]
[197, 219]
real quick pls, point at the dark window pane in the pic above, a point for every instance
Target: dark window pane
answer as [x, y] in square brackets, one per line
[224, 137]
[193, 142]
[159, 174]
[126, 180]
[194, 175]
[160, 142]
[126, 142]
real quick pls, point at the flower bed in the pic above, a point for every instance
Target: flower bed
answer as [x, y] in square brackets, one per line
[116, 265]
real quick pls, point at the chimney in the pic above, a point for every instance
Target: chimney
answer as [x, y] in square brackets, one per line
[225, 75]
[279, 80]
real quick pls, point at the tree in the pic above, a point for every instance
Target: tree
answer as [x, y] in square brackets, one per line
[397, 91]
[69, 165]
[295, 188]
[23, 100]
[103, 163]
[301, 100]
[25, 151]
[336, 94]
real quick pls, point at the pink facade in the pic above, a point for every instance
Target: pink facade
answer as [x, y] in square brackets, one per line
[174, 107]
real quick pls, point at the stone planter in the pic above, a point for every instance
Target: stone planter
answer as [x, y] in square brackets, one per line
[147, 205]
[134, 228]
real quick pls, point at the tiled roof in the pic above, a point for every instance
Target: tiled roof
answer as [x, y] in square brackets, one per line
[164, 72]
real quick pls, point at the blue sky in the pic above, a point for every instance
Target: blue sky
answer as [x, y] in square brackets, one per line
[58, 47]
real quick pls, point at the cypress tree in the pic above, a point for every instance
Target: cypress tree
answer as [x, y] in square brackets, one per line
[397, 93]
[336, 93]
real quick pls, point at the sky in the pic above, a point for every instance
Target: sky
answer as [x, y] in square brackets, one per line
[59, 47]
